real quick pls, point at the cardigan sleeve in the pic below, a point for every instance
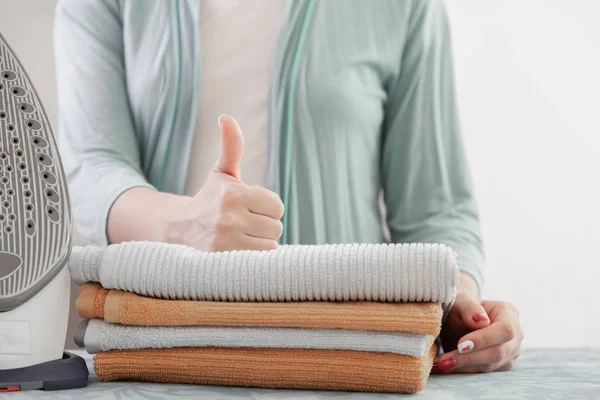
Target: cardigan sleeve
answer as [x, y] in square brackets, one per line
[99, 148]
[426, 178]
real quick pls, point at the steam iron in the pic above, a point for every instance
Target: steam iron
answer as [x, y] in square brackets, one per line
[35, 242]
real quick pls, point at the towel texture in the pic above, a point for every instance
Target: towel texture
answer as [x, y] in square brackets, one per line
[127, 308]
[270, 368]
[357, 272]
[320, 317]
[103, 336]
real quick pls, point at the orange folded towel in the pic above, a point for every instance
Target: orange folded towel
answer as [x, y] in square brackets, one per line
[131, 309]
[270, 368]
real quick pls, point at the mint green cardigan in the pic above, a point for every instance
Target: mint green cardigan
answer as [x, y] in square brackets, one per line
[362, 105]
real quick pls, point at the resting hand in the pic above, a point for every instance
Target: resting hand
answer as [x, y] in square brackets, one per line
[227, 214]
[482, 336]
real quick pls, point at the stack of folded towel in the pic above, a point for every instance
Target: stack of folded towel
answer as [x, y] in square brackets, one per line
[331, 317]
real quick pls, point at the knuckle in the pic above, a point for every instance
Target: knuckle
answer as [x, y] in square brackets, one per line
[279, 209]
[278, 229]
[261, 191]
[276, 204]
[465, 360]
[509, 331]
[232, 195]
[487, 368]
[271, 199]
[499, 354]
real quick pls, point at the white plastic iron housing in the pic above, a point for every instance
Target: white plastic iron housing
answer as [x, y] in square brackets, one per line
[35, 242]
[34, 332]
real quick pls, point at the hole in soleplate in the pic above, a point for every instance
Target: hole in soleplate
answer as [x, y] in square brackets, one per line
[26, 108]
[8, 75]
[49, 178]
[30, 227]
[52, 214]
[39, 142]
[52, 196]
[45, 160]
[18, 91]
[33, 124]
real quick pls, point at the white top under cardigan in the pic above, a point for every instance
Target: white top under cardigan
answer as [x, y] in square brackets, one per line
[238, 38]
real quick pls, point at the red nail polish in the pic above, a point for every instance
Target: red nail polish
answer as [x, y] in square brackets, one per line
[435, 369]
[479, 317]
[447, 364]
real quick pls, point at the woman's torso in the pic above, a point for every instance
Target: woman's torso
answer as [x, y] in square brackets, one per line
[333, 63]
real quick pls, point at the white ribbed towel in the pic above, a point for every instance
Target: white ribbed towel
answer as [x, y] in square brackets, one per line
[342, 272]
[103, 336]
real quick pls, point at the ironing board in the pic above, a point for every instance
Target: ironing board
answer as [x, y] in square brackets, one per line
[539, 374]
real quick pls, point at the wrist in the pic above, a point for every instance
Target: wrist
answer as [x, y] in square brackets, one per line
[171, 220]
[142, 213]
[468, 286]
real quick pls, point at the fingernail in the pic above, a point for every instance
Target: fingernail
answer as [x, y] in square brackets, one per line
[465, 347]
[479, 317]
[220, 118]
[435, 368]
[447, 364]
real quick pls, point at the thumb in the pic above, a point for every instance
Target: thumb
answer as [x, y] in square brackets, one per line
[472, 312]
[232, 148]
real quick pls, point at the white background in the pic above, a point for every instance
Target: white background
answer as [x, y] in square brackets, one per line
[528, 74]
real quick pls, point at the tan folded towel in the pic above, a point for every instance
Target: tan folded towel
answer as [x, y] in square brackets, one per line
[270, 368]
[131, 309]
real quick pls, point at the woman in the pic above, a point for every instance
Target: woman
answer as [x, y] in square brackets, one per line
[340, 100]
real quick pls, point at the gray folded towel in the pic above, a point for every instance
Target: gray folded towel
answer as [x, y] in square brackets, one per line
[98, 335]
[342, 272]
